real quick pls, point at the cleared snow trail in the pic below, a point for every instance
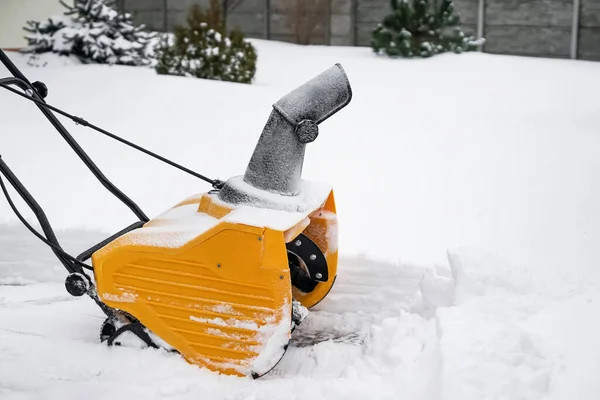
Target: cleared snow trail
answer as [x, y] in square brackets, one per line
[371, 330]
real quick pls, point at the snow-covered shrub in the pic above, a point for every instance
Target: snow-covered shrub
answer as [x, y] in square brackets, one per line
[416, 28]
[203, 50]
[93, 31]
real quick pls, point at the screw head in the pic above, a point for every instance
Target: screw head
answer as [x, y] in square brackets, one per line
[319, 275]
[313, 257]
[298, 242]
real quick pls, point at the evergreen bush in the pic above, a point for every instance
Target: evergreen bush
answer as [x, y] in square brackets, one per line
[202, 49]
[94, 32]
[417, 28]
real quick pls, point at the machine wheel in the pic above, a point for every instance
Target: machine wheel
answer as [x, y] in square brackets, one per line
[110, 335]
[107, 330]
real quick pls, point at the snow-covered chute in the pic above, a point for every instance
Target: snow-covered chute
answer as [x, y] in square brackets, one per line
[224, 276]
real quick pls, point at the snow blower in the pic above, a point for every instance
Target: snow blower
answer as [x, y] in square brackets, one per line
[225, 276]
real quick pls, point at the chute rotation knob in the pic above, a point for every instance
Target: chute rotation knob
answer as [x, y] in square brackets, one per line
[307, 131]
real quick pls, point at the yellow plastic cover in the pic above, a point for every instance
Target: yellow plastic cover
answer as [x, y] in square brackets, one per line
[212, 281]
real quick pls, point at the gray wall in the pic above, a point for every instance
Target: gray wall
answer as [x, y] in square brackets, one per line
[160, 15]
[342, 22]
[368, 14]
[530, 27]
[589, 30]
[518, 27]
[249, 16]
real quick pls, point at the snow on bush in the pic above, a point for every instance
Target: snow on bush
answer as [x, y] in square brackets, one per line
[93, 31]
[418, 28]
[203, 50]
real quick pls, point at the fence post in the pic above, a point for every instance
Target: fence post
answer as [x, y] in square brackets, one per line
[165, 16]
[224, 11]
[328, 15]
[354, 21]
[575, 29]
[267, 21]
[480, 19]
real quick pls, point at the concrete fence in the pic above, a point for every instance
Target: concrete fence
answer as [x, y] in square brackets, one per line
[544, 28]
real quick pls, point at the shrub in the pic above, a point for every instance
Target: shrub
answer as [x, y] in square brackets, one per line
[416, 28]
[203, 50]
[93, 31]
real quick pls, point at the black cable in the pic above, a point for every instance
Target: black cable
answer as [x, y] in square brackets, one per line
[80, 121]
[36, 233]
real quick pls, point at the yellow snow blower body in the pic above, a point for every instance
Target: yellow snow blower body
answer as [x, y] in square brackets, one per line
[222, 276]
[213, 282]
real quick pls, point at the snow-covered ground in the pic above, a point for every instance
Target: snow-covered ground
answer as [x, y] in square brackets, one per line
[468, 204]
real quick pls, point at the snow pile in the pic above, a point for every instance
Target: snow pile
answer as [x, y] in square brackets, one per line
[492, 340]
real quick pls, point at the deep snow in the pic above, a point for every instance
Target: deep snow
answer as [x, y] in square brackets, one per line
[466, 193]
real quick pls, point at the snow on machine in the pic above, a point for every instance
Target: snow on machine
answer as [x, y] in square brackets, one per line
[223, 277]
